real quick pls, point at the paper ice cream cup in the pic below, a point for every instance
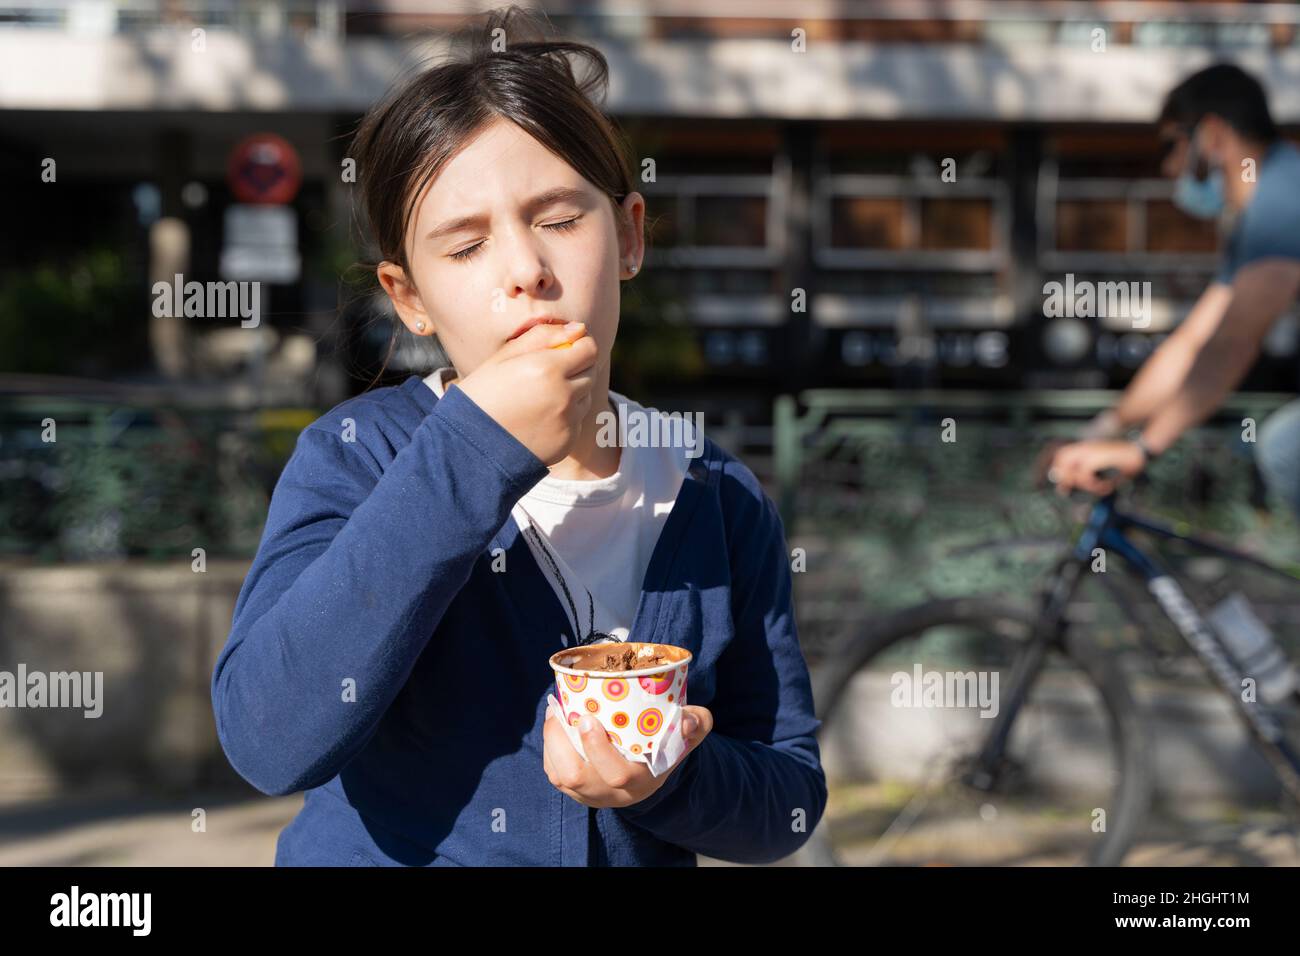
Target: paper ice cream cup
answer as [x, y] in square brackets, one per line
[640, 709]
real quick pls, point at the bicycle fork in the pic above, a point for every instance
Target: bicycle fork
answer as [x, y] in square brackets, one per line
[1048, 631]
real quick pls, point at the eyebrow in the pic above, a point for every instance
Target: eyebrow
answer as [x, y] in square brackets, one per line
[548, 198]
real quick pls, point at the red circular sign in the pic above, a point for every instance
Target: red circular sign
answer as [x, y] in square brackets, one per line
[264, 168]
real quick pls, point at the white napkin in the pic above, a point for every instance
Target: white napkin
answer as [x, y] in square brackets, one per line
[660, 758]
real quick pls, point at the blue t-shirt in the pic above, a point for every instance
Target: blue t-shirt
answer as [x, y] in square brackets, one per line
[1269, 226]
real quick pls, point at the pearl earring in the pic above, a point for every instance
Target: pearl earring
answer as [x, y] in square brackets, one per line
[419, 326]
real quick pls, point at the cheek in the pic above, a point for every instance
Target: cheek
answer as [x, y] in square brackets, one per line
[459, 296]
[596, 289]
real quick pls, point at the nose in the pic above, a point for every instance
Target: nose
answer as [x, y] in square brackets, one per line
[527, 271]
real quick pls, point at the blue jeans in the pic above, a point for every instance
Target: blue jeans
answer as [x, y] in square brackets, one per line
[1277, 452]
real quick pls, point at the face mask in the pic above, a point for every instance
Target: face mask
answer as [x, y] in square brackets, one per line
[1201, 198]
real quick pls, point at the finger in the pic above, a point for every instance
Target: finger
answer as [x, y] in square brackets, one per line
[1090, 483]
[566, 762]
[547, 765]
[613, 767]
[1073, 470]
[1060, 474]
[571, 335]
[544, 335]
[580, 358]
[1043, 472]
[559, 750]
[552, 731]
[1102, 487]
[574, 794]
[1066, 474]
[575, 336]
[701, 718]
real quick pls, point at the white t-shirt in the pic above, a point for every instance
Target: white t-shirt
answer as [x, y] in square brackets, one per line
[602, 531]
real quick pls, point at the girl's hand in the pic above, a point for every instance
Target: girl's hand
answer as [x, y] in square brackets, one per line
[608, 779]
[539, 393]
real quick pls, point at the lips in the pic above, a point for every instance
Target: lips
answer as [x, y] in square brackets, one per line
[536, 320]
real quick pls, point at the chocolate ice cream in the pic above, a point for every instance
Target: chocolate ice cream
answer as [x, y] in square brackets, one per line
[627, 659]
[617, 657]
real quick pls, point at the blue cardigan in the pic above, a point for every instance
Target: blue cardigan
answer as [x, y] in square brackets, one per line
[378, 662]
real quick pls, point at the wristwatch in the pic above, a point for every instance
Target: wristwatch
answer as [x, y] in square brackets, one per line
[1148, 455]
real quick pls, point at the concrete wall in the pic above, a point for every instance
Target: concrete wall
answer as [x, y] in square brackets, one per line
[154, 631]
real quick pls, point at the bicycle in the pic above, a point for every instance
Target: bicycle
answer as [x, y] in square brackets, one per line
[984, 773]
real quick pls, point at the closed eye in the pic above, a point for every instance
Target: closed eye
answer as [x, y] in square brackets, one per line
[466, 253]
[564, 226]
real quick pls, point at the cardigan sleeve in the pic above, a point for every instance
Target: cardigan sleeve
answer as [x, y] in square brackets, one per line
[754, 789]
[356, 566]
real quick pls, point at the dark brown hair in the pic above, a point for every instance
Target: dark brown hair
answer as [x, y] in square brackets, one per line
[1227, 91]
[501, 66]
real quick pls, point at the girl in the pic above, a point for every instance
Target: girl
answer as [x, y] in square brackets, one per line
[430, 545]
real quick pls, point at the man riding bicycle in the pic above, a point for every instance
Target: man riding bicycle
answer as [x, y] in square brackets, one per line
[1229, 164]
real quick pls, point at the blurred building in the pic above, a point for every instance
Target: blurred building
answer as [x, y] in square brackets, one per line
[806, 233]
[843, 194]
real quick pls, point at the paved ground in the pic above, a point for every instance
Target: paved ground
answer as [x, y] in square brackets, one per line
[124, 831]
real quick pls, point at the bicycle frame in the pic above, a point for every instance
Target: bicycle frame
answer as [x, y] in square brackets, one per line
[1106, 529]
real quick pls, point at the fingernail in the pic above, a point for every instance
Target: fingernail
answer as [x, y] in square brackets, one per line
[571, 326]
[586, 724]
[688, 725]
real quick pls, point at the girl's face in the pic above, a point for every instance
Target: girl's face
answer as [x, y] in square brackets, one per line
[508, 232]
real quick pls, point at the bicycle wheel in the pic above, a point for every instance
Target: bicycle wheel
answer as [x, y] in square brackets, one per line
[1073, 783]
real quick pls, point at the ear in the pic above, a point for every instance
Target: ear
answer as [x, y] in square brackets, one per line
[405, 298]
[1214, 135]
[631, 234]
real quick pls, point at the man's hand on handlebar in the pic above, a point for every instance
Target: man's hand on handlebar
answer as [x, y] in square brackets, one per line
[1096, 467]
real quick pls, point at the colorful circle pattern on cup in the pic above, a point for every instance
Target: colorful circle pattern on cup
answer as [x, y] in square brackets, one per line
[651, 719]
[657, 683]
[576, 682]
[615, 688]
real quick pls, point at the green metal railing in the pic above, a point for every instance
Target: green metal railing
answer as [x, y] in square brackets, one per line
[831, 417]
[887, 512]
[84, 479]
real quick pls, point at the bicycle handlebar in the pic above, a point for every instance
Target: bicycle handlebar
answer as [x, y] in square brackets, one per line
[1103, 474]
